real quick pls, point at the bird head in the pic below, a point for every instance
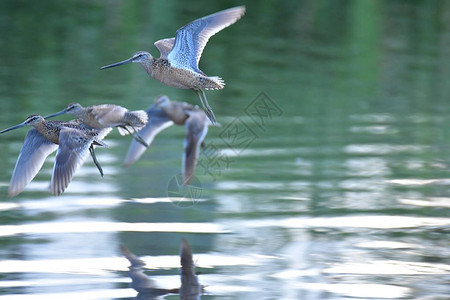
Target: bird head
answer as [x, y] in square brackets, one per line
[162, 101]
[139, 57]
[31, 120]
[72, 108]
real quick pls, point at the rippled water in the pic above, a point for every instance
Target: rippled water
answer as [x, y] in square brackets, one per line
[341, 193]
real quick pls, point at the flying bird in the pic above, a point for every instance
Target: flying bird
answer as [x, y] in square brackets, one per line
[108, 115]
[72, 140]
[165, 113]
[177, 65]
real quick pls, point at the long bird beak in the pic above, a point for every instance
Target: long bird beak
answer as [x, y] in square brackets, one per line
[12, 128]
[127, 61]
[56, 114]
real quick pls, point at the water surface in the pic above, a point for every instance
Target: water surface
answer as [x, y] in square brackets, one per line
[339, 189]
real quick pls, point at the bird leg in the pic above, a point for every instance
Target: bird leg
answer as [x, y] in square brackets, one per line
[94, 158]
[139, 138]
[208, 110]
[136, 136]
[126, 129]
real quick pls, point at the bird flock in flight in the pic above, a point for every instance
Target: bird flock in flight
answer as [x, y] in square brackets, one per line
[74, 140]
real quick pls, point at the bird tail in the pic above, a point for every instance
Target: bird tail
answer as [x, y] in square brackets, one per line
[134, 120]
[214, 83]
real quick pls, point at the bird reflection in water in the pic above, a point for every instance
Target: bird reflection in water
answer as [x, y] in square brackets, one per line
[190, 287]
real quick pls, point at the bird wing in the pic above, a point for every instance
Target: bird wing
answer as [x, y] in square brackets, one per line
[98, 134]
[164, 46]
[140, 281]
[157, 122]
[190, 286]
[196, 130]
[72, 152]
[191, 39]
[186, 260]
[135, 261]
[34, 151]
[108, 115]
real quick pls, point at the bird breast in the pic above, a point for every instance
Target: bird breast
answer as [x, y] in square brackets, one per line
[49, 131]
[163, 72]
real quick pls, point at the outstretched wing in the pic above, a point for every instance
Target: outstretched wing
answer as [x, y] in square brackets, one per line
[72, 152]
[157, 122]
[190, 286]
[191, 39]
[196, 130]
[34, 151]
[165, 46]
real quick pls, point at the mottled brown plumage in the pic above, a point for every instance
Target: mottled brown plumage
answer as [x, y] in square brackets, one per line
[71, 139]
[108, 115]
[178, 64]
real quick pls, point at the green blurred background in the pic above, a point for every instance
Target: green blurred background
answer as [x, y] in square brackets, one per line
[343, 195]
